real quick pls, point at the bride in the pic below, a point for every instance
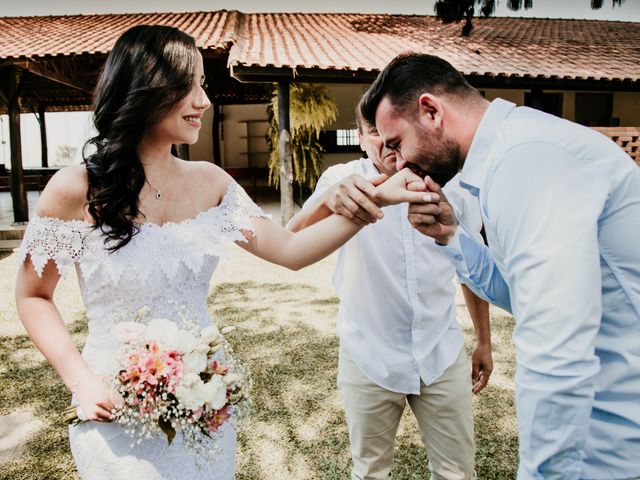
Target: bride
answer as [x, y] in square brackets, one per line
[143, 228]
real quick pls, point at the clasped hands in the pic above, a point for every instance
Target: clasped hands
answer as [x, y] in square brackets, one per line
[361, 200]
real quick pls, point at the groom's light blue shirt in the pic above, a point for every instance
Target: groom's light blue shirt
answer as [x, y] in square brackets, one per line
[561, 208]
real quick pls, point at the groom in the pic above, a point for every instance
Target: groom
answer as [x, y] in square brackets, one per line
[400, 342]
[561, 209]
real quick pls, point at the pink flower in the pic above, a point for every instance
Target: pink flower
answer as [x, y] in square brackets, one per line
[215, 420]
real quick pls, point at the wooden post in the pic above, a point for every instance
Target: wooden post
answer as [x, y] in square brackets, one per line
[286, 164]
[182, 151]
[43, 135]
[215, 133]
[537, 99]
[18, 192]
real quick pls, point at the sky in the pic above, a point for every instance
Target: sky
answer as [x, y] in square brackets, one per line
[629, 11]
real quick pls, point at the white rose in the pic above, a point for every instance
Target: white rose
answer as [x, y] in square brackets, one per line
[215, 393]
[161, 331]
[210, 334]
[128, 331]
[191, 392]
[195, 361]
[231, 379]
[185, 342]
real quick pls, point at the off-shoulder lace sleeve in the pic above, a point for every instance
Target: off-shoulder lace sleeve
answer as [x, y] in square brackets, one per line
[236, 210]
[49, 238]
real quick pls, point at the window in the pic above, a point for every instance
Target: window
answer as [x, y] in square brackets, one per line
[340, 141]
[594, 109]
[547, 102]
[346, 137]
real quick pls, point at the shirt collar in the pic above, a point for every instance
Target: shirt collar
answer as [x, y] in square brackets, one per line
[369, 168]
[476, 165]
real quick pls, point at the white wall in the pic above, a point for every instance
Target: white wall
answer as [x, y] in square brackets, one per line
[64, 129]
[236, 129]
[626, 106]
[346, 98]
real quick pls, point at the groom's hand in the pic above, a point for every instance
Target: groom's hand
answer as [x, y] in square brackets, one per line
[351, 198]
[435, 219]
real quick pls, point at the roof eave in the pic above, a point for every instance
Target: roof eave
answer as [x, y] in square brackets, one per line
[269, 73]
[262, 74]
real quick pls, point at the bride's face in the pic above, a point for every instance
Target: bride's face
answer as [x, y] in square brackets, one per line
[182, 124]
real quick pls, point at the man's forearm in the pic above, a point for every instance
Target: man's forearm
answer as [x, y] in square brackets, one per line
[479, 313]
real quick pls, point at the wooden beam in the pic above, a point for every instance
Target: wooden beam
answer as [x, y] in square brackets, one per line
[18, 192]
[253, 74]
[60, 71]
[182, 151]
[43, 135]
[215, 133]
[4, 97]
[537, 99]
[284, 143]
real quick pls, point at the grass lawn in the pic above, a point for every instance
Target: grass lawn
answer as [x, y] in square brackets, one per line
[285, 334]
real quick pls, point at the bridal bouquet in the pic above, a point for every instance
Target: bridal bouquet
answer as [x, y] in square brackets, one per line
[170, 380]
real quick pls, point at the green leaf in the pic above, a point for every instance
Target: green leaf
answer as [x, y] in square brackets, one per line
[168, 430]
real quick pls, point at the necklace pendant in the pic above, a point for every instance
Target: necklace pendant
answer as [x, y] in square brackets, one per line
[158, 195]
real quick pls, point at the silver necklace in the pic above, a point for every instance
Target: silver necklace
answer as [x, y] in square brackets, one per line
[158, 194]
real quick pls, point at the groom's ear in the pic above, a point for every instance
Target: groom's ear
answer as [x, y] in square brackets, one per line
[430, 110]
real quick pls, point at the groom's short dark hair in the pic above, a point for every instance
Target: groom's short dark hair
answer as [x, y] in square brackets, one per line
[408, 76]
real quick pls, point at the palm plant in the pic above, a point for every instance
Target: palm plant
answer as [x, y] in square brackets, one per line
[311, 110]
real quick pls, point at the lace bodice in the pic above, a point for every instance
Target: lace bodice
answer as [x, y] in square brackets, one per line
[166, 268]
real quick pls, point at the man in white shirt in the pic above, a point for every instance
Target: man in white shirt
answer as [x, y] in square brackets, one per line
[400, 341]
[561, 209]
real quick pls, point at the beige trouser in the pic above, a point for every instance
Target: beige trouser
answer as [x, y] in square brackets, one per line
[443, 411]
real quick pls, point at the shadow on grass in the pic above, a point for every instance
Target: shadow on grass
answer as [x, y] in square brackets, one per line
[294, 394]
[297, 429]
[28, 382]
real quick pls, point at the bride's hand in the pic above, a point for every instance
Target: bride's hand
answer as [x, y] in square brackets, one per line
[404, 186]
[95, 400]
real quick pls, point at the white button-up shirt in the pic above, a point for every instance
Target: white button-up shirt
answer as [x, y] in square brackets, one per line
[561, 205]
[397, 316]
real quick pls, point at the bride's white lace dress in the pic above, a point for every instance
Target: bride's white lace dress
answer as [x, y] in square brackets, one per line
[167, 268]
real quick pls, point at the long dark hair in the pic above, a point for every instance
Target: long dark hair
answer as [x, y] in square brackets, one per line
[149, 70]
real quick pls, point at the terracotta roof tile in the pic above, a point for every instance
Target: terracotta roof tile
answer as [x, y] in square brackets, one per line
[77, 34]
[517, 47]
[497, 46]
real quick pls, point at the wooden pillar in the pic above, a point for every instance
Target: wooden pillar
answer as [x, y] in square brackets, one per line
[215, 133]
[18, 192]
[43, 135]
[182, 151]
[286, 164]
[536, 99]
